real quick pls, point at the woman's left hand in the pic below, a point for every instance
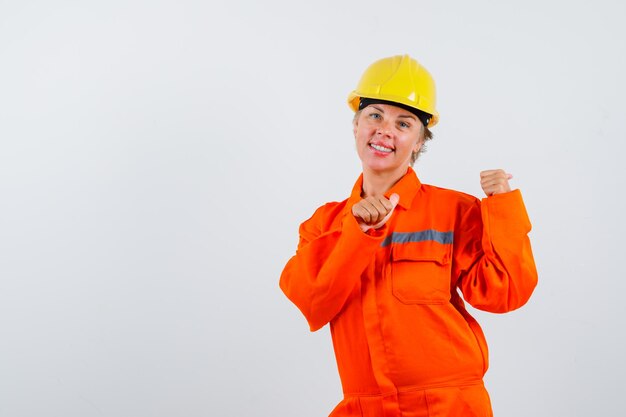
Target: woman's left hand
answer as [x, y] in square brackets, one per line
[495, 181]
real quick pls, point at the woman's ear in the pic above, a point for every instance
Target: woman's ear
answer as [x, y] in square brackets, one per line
[420, 139]
[418, 144]
[355, 122]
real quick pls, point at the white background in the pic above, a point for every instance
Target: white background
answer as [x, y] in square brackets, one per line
[157, 157]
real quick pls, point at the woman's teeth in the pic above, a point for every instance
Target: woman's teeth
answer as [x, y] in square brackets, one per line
[381, 148]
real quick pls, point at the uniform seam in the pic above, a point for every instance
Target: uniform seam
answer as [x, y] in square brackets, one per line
[415, 388]
[375, 394]
[360, 407]
[429, 387]
[427, 403]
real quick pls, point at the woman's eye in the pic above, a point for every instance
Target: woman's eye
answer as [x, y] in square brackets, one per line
[404, 125]
[375, 116]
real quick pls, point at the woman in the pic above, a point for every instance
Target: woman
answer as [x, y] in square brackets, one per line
[385, 266]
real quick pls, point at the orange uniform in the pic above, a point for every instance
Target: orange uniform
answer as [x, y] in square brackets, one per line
[404, 343]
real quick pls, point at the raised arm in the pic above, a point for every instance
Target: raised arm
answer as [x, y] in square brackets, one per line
[493, 255]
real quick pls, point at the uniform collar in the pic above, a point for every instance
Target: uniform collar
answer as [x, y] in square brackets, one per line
[406, 188]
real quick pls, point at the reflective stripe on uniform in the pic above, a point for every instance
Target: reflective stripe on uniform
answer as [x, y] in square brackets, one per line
[445, 238]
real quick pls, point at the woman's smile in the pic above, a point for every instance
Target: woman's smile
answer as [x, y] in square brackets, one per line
[380, 148]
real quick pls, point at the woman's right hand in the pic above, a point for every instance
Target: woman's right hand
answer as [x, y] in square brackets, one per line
[374, 211]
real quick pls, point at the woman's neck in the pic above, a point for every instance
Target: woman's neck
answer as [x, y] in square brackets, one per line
[376, 183]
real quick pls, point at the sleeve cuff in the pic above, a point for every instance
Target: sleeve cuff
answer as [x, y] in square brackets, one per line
[353, 232]
[505, 214]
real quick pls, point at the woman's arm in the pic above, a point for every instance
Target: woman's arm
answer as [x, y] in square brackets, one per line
[493, 256]
[328, 265]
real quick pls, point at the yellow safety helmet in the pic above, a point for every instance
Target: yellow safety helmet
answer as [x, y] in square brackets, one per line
[398, 79]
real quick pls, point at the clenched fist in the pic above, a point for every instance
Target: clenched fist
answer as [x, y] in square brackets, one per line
[495, 181]
[374, 211]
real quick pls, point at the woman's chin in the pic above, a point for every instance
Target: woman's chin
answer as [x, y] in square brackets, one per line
[381, 166]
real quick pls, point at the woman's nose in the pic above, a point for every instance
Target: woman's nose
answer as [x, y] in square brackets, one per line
[383, 128]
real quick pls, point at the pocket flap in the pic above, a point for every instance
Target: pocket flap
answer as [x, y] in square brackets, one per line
[421, 251]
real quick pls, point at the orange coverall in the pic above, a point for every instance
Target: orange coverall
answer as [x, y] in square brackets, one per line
[404, 343]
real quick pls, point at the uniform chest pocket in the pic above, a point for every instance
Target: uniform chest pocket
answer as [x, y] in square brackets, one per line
[420, 272]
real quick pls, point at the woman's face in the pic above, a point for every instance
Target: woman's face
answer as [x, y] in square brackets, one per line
[386, 136]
